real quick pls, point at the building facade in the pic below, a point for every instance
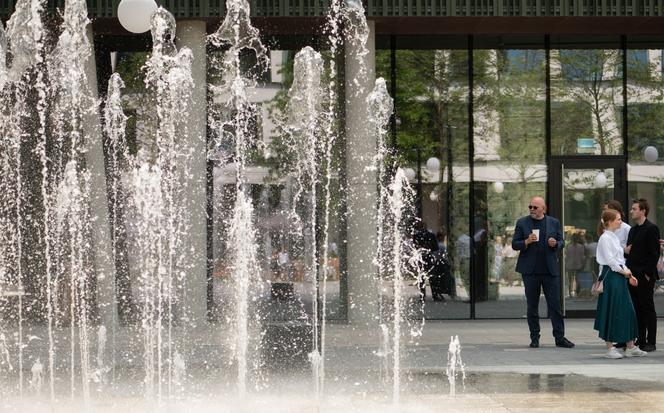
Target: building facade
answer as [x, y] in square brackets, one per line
[514, 99]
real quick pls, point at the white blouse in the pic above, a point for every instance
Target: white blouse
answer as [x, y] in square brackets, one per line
[609, 251]
[622, 233]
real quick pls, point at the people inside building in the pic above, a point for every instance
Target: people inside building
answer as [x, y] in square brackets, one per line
[591, 254]
[509, 276]
[575, 260]
[538, 238]
[440, 278]
[462, 262]
[425, 241]
[615, 318]
[498, 248]
[642, 252]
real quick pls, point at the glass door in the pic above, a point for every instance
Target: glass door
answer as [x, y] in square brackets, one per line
[581, 189]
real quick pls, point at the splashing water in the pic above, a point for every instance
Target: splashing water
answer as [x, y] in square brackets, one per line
[5, 358]
[454, 364]
[99, 374]
[3, 56]
[158, 193]
[37, 379]
[397, 204]
[72, 221]
[237, 34]
[304, 110]
[384, 352]
[179, 369]
[115, 123]
[357, 33]
[155, 194]
[26, 35]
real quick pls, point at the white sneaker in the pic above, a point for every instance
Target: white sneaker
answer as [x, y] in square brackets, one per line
[635, 352]
[614, 353]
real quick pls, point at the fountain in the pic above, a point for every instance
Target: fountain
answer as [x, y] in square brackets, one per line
[455, 365]
[45, 103]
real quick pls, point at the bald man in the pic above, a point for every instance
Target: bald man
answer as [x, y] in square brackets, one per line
[539, 240]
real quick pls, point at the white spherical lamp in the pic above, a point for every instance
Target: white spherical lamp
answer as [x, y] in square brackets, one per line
[433, 196]
[600, 180]
[650, 154]
[499, 187]
[410, 173]
[578, 196]
[433, 165]
[134, 15]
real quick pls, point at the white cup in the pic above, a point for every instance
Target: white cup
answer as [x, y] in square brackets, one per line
[536, 232]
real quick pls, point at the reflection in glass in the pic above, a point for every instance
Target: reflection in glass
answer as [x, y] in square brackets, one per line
[432, 111]
[584, 193]
[510, 168]
[645, 117]
[586, 107]
[281, 218]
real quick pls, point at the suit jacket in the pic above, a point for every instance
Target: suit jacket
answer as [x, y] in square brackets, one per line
[644, 255]
[528, 255]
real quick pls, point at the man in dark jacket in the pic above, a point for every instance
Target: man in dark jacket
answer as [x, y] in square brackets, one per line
[642, 254]
[539, 239]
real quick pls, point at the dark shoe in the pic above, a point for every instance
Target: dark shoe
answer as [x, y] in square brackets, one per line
[563, 342]
[648, 347]
[534, 343]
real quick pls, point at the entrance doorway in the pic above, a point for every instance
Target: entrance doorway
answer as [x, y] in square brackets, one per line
[578, 187]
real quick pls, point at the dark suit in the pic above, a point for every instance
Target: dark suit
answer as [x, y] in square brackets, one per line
[547, 280]
[642, 261]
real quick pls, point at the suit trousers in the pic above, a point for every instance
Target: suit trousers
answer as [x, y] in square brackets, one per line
[644, 305]
[534, 284]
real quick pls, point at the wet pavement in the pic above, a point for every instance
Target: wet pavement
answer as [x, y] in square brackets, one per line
[502, 374]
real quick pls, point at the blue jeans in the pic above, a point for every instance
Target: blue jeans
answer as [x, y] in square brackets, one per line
[534, 284]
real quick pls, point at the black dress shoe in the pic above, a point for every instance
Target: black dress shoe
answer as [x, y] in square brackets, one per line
[648, 347]
[534, 343]
[563, 342]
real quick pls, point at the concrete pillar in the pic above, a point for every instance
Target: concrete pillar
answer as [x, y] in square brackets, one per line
[363, 285]
[192, 34]
[101, 234]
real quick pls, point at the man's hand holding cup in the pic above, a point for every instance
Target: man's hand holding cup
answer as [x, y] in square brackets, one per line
[531, 238]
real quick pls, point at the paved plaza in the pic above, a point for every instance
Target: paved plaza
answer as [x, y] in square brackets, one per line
[502, 346]
[505, 375]
[502, 374]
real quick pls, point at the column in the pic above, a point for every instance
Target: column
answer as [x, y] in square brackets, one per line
[192, 34]
[101, 234]
[363, 285]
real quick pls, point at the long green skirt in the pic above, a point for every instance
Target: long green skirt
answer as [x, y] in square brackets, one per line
[615, 318]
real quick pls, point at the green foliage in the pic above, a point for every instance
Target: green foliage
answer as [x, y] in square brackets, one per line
[431, 93]
[129, 67]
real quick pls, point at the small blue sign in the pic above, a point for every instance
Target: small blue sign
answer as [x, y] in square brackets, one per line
[585, 145]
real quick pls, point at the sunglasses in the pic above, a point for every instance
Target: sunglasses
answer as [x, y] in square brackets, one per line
[532, 207]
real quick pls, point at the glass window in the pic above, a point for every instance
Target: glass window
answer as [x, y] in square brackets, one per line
[432, 121]
[586, 101]
[645, 117]
[524, 61]
[510, 168]
[285, 214]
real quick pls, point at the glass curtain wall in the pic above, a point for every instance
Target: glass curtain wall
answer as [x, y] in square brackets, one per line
[509, 103]
[587, 105]
[431, 121]
[586, 99]
[645, 117]
[287, 220]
